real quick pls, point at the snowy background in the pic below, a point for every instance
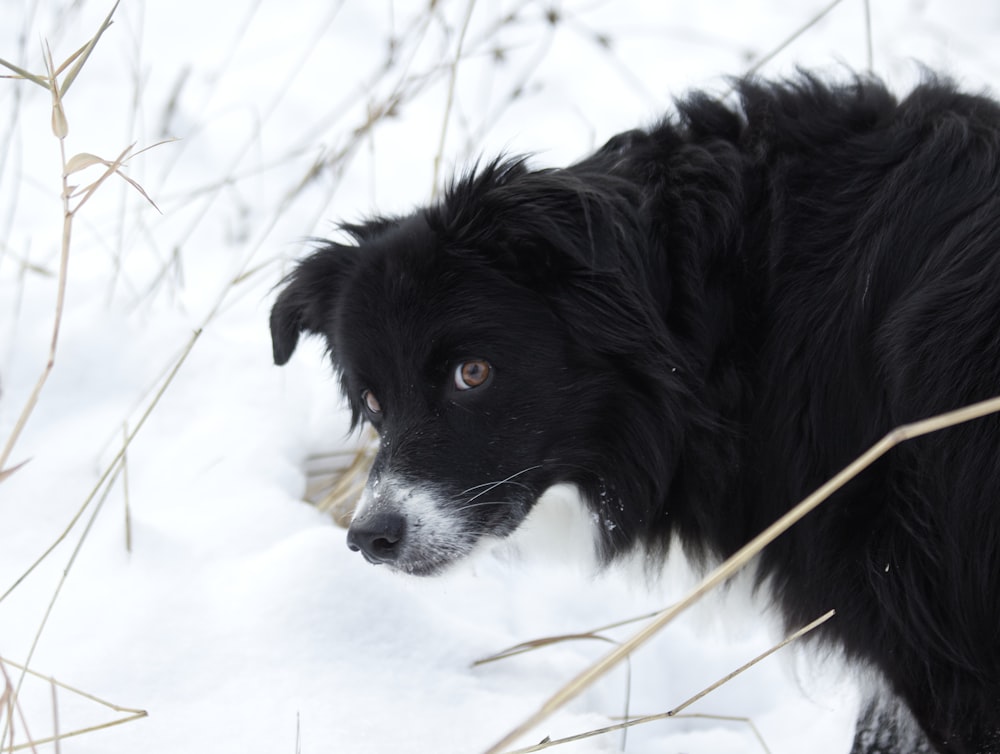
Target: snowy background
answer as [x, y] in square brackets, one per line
[192, 581]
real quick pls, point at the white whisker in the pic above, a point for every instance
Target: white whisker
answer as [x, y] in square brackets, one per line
[493, 485]
[491, 502]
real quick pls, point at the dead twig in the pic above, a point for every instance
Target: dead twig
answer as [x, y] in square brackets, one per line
[129, 712]
[676, 711]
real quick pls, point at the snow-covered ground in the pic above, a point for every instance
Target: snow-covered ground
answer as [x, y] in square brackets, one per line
[239, 620]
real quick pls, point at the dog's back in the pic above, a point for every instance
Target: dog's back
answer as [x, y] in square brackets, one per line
[865, 268]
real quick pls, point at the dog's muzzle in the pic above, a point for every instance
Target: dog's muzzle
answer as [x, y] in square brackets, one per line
[378, 537]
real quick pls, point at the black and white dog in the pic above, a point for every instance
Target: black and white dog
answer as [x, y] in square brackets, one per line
[696, 326]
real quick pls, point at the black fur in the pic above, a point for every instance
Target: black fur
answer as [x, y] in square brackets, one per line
[697, 326]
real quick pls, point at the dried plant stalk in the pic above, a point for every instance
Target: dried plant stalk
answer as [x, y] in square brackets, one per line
[60, 128]
[676, 712]
[341, 499]
[130, 713]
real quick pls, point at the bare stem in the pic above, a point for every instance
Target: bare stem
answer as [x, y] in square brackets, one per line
[112, 467]
[67, 231]
[676, 711]
[795, 35]
[451, 95]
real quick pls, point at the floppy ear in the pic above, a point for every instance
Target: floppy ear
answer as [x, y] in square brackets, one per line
[309, 297]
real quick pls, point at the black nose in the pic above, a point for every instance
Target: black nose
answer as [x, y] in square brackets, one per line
[379, 537]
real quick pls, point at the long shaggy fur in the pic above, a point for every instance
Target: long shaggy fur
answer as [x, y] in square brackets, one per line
[697, 326]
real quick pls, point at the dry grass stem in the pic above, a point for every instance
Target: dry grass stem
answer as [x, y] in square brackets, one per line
[83, 160]
[733, 564]
[20, 73]
[129, 712]
[125, 492]
[746, 666]
[81, 56]
[869, 46]
[336, 491]
[29, 406]
[5, 473]
[65, 574]
[794, 36]
[676, 711]
[533, 644]
[69, 168]
[110, 474]
[55, 713]
[60, 127]
[550, 742]
[449, 103]
[8, 707]
[112, 467]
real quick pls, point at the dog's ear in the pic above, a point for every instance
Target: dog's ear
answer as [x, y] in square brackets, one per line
[306, 303]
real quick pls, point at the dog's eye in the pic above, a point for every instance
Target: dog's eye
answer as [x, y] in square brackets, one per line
[371, 402]
[473, 373]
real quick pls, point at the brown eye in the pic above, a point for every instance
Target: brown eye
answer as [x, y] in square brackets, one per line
[371, 402]
[470, 374]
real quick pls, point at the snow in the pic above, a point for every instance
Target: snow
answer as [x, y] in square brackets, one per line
[239, 620]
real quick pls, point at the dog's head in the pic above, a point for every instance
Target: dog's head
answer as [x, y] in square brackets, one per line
[499, 345]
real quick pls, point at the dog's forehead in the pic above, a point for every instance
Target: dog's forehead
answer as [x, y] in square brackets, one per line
[405, 269]
[408, 291]
[417, 299]
[412, 271]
